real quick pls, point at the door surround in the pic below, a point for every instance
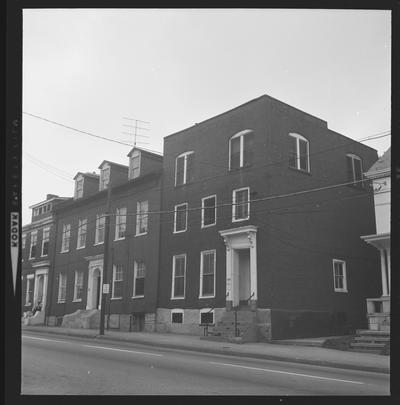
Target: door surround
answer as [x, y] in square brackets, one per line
[244, 237]
[94, 264]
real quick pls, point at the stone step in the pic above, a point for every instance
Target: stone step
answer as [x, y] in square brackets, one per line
[365, 350]
[371, 338]
[373, 332]
[367, 345]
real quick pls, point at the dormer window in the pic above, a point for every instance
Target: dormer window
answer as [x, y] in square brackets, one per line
[104, 177]
[134, 165]
[183, 168]
[241, 149]
[79, 187]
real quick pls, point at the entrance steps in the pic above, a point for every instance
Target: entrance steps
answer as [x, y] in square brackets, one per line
[241, 331]
[82, 319]
[371, 341]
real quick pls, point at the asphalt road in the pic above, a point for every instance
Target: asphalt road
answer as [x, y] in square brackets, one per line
[65, 365]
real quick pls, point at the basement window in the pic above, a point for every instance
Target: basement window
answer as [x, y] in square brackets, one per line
[177, 316]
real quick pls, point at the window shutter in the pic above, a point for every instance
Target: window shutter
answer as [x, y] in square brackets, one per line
[357, 171]
[248, 149]
[235, 153]
[189, 167]
[293, 152]
[349, 161]
[179, 170]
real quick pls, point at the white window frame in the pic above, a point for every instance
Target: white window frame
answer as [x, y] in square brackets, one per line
[104, 179]
[79, 190]
[120, 222]
[175, 216]
[66, 231]
[344, 276]
[45, 230]
[142, 215]
[33, 233]
[183, 155]
[62, 287]
[203, 208]
[132, 169]
[135, 270]
[99, 218]
[240, 135]
[114, 280]
[202, 253]
[206, 310]
[36, 212]
[23, 239]
[353, 179]
[299, 137]
[173, 277]
[234, 206]
[82, 224]
[178, 311]
[29, 282]
[76, 285]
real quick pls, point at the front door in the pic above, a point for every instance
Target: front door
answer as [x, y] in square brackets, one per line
[97, 282]
[244, 275]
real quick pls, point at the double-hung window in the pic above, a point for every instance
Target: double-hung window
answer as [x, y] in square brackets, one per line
[178, 276]
[207, 274]
[142, 217]
[100, 225]
[32, 250]
[354, 170]
[29, 290]
[82, 232]
[208, 211]
[45, 241]
[180, 217]
[104, 177]
[79, 187]
[184, 168]
[62, 287]
[120, 223]
[118, 281]
[299, 152]
[134, 165]
[241, 149]
[78, 288]
[241, 204]
[66, 236]
[339, 275]
[138, 278]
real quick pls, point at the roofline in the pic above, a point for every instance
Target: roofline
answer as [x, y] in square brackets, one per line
[87, 175]
[254, 100]
[157, 155]
[47, 201]
[113, 163]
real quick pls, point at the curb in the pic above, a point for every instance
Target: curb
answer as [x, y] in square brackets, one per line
[215, 351]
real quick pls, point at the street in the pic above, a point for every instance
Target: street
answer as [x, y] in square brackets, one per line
[59, 365]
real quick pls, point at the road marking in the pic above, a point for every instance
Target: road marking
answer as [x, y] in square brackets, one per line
[286, 372]
[47, 340]
[123, 350]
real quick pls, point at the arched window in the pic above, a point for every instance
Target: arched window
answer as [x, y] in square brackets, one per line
[299, 152]
[241, 149]
[354, 169]
[184, 168]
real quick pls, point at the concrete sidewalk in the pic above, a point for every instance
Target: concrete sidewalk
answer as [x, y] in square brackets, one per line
[282, 352]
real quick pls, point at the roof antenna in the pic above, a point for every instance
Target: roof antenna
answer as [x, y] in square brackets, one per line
[133, 124]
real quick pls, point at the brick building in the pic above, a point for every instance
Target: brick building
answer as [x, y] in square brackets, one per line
[296, 261]
[133, 242]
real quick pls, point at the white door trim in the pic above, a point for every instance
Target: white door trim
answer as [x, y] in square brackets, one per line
[93, 265]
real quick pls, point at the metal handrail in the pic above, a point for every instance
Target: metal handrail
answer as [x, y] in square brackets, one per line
[206, 325]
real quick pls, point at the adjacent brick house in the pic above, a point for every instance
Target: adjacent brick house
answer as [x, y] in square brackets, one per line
[133, 241]
[298, 260]
[37, 255]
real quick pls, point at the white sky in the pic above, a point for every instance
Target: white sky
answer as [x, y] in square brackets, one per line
[88, 68]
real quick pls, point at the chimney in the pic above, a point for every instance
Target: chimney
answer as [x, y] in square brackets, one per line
[49, 196]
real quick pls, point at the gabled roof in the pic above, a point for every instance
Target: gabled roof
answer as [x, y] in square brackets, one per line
[113, 164]
[382, 164]
[87, 174]
[156, 155]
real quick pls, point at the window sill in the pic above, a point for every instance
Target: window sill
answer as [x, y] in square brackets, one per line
[80, 247]
[180, 231]
[116, 298]
[64, 251]
[98, 243]
[208, 226]
[77, 300]
[61, 302]
[116, 240]
[28, 304]
[300, 170]
[137, 296]
[240, 220]
[177, 298]
[206, 296]
[141, 234]
[341, 291]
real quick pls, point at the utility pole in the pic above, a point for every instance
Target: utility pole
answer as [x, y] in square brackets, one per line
[105, 288]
